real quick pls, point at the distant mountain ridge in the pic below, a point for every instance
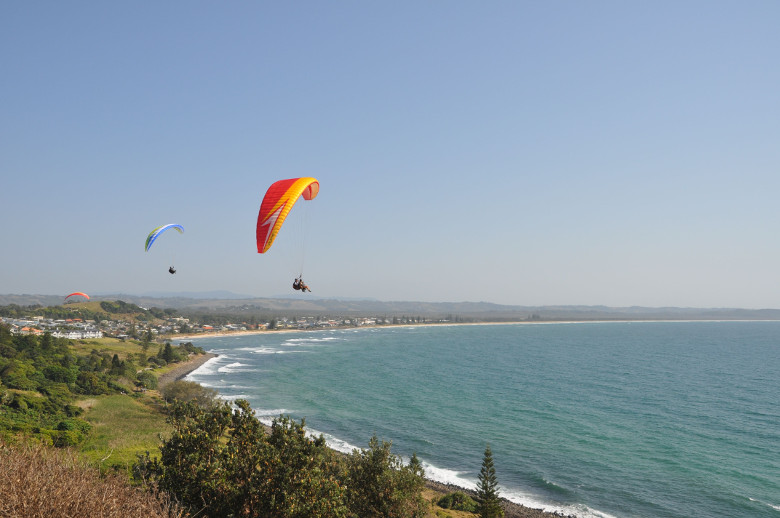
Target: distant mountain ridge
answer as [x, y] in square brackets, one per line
[227, 302]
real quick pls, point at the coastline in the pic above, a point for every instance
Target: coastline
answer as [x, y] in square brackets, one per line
[249, 332]
[511, 509]
[219, 334]
[182, 369]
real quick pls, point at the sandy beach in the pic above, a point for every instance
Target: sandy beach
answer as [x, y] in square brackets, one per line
[215, 334]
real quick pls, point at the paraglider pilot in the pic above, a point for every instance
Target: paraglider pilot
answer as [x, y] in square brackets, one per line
[298, 284]
[171, 270]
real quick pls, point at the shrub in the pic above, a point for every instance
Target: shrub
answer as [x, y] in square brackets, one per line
[157, 361]
[190, 348]
[380, 485]
[60, 374]
[18, 380]
[458, 501]
[73, 410]
[147, 380]
[63, 439]
[19, 402]
[74, 425]
[185, 391]
[91, 383]
[58, 393]
[220, 462]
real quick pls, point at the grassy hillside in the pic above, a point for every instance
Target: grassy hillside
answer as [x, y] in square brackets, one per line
[123, 426]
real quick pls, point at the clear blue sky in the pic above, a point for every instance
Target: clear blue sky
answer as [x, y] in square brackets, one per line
[517, 152]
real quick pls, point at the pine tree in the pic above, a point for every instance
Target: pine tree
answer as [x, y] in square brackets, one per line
[487, 488]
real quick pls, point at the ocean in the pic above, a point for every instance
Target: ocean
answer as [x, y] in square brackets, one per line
[602, 419]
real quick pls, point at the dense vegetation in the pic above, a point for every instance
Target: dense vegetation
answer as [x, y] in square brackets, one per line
[87, 311]
[40, 378]
[217, 459]
[220, 461]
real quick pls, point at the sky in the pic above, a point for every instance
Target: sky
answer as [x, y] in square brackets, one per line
[517, 152]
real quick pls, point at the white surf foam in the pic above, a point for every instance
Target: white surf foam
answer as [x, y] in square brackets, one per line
[292, 341]
[456, 478]
[773, 506]
[233, 397]
[210, 367]
[447, 476]
[272, 350]
[236, 367]
[333, 443]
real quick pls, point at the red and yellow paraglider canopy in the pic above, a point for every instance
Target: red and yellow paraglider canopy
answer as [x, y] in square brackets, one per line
[278, 201]
[77, 293]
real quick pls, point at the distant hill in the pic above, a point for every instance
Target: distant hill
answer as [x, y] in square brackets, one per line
[226, 302]
[216, 294]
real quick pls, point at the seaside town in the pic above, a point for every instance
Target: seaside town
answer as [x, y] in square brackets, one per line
[81, 329]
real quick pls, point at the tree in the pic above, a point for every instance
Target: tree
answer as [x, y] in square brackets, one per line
[168, 354]
[379, 485]
[458, 501]
[487, 488]
[220, 462]
[46, 341]
[183, 391]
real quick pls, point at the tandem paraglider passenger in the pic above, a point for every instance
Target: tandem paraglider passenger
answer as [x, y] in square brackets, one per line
[171, 270]
[298, 284]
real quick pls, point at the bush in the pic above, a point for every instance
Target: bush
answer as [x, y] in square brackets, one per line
[18, 380]
[220, 462]
[147, 380]
[157, 361]
[185, 391]
[63, 439]
[190, 348]
[74, 425]
[58, 393]
[378, 484]
[91, 383]
[60, 374]
[19, 402]
[73, 410]
[458, 501]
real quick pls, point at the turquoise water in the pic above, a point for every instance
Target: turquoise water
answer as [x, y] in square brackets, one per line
[624, 419]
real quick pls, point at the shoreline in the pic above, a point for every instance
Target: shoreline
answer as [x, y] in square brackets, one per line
[182, 369]
[248, 332]
[511, 509]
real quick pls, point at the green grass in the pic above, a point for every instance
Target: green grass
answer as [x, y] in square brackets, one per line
[112, 346]
[122, 427]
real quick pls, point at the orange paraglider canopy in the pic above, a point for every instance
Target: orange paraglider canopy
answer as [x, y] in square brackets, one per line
[278, 201]
[77, 293]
